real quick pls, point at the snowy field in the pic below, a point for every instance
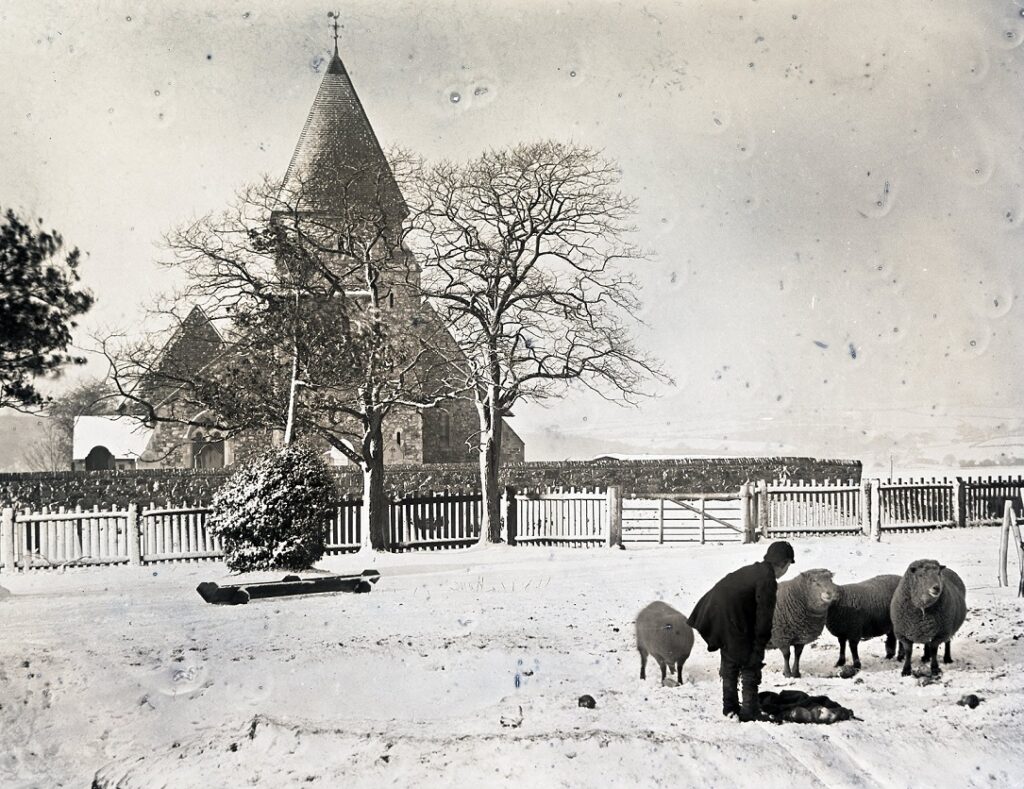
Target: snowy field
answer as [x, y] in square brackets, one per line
[465, 668]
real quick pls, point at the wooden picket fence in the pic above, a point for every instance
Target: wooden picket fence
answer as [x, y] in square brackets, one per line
[34, 540]
[435, 522]
[63, 537]
[985, 499]
[150, 534]
[176, 534]
[876, 507]
[794, 509]
[550, 517]
[573, 518]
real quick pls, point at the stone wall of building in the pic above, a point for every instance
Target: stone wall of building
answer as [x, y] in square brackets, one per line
[403, 437]
[175, 486]
[449, 433]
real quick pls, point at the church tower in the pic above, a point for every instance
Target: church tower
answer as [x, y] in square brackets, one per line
[339, 190]
[338, 168]
[340, 199]
[339, 180]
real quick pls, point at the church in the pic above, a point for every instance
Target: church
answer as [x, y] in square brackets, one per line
[337, 138]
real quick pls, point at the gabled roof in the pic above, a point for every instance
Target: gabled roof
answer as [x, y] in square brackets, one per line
[124, 438]
[191, 347]
[338, 158]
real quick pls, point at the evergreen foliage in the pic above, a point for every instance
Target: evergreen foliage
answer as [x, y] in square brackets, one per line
[272, 514]
[38, 304]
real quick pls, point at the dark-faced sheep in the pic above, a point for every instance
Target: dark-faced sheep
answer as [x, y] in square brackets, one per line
[928, 607]
[861, 611]
[663, 633]
[801, 607]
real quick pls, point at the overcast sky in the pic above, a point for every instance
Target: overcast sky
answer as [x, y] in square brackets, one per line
[833, 193]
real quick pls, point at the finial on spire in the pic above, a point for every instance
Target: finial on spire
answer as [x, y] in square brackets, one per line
[334, 15]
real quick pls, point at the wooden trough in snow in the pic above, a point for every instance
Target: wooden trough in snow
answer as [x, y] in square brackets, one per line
[239, 594]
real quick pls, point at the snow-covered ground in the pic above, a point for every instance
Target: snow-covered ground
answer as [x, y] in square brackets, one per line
[465, 668]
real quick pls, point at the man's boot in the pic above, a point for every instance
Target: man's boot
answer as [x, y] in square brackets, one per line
[730, 688]
[751, 708]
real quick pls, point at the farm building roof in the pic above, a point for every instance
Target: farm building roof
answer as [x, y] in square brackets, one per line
[123, 437]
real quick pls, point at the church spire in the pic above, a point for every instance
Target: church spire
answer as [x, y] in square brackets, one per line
[334, 15]
[338, 158]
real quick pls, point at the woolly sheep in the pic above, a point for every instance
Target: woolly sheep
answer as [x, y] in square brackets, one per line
[928, 607]
[664, 633]
[801, 606]
[861, 611]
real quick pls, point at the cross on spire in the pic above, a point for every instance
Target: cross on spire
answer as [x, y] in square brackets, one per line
[334, 15]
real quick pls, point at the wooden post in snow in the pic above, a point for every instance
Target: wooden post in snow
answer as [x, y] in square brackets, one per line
[865, 507]
[876, 510]
[959, 503]
[762, 508]
[1004, 541]
[1019, 544]
[746, 512]
[509, 515]
[133, 535]
[7, 538]
[614, 537]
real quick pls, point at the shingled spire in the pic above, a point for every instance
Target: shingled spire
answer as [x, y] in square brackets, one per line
[338, 164]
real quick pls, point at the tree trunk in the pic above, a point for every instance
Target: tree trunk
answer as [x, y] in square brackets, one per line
[289, 427]
[376, 512]
[490, 465]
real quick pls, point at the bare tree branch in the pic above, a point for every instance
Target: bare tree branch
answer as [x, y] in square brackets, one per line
[289, 312]
[524, 251]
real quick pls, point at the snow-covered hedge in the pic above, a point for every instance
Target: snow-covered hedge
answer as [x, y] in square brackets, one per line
[272, 513]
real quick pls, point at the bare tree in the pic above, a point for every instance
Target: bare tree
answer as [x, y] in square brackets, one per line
[523, 254]
[50, 451]
[306, 301]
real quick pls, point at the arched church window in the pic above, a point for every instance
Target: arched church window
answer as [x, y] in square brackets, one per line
[398, 437]
[207, 451]
[391, 300]
[446, 428]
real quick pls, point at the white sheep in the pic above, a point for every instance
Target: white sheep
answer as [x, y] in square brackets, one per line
[801, 606]
[664, 633]
[928, 607]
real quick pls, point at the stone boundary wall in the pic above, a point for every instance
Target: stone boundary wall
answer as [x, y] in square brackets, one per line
[634, 477]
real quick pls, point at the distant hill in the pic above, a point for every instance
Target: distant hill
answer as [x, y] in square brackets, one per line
[18, 434]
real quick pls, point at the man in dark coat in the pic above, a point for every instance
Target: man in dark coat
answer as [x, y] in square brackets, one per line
[736, 617]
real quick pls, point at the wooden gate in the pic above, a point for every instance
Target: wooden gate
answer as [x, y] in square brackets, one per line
[672, 518]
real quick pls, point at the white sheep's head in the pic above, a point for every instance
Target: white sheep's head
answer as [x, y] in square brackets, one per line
[820, 588]
[924, 582]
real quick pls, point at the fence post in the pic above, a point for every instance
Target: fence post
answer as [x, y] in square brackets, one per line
[745, 510]
[865, 507]
[959, 503]
[876, 510]
[510, 515]
[614, 536]
[762, 508]
[134, 535]
[7, 538]
[1004, 541]
[1019, 545]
